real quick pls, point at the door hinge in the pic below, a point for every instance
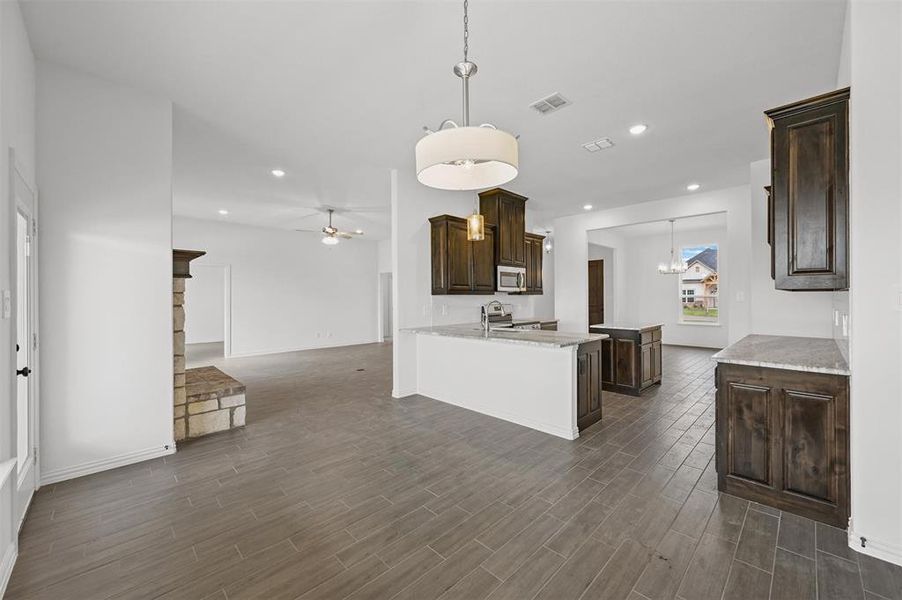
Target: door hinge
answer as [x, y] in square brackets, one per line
[35, 449]
[34, 342]
[27, 245]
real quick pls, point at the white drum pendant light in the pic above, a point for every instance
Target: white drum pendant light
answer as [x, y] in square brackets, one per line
[465, 157]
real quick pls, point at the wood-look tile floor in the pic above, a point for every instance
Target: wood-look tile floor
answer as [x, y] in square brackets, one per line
[335, 490]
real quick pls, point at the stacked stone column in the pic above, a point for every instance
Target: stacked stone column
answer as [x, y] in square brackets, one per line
[178, 350]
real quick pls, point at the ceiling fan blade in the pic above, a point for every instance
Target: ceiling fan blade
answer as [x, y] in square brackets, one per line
[309, 230]
[348, 233]
[344, 235]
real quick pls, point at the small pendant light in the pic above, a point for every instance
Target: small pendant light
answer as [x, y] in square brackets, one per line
[475, 226]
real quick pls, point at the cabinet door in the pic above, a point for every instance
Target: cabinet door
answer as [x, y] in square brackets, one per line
[506, 233]
[748, 414]
[810, 197]
[625, 368]
[588, 380]
[483, 255]
[459, 259]
[812, 460]
[518, 231]
[656, 361]
[538, 249]
[607, 361]
[645, 362]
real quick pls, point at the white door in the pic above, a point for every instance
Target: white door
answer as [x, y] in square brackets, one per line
[26, 342]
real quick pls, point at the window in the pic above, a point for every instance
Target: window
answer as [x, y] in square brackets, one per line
[699, 284]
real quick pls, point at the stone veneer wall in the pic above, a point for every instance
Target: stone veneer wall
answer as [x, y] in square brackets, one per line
[178, 349]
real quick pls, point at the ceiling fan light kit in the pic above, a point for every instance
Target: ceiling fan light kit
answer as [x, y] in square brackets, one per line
[465, 157]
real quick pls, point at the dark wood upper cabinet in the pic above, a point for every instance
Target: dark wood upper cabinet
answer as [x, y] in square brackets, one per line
[507, 211]
[810, 193]
[460, 266]
[535, 254]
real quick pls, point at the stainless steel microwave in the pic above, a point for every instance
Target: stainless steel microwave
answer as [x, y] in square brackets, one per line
[511, 279]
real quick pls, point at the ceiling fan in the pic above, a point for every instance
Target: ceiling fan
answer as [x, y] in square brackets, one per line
[331, 235]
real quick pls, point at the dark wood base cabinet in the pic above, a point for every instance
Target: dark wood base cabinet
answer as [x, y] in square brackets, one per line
[783, 440]
[630, 359]
[588, 384]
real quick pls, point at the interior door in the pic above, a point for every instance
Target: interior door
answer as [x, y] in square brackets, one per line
[596, 292]
[25, 202]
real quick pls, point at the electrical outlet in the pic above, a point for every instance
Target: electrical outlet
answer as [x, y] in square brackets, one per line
[740, 296]
[835, 318]
[444, 310]
[328, 334]
[845, 325]
[318, 334]
[7, 304]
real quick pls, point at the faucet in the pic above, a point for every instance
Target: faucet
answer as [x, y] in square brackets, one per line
[485, 314]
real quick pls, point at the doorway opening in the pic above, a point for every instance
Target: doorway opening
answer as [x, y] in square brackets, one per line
[385, 307]
[207, 301]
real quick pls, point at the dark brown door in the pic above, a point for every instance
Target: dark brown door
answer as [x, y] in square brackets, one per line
[596, 292]
[459, 258]
[483, 254]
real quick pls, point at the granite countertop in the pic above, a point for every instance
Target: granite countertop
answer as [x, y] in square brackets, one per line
[629, 326]
[527, 321]
[530, 337]
[814, 355]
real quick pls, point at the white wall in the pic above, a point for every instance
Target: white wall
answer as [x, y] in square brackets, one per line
[648, 297]
[775, 311]
[205, 303]
[105, 177]
[17, 122]
[288, 290]
[414, 305]
[571, 253]
[876, 270]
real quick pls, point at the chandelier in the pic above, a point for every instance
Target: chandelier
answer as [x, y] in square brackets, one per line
[675, 267]
[462, 156]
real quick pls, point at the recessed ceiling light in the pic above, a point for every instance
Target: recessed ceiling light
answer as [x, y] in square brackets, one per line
[638, 129]
[223, 211]
[692, 187]
[358, 231]
[278, 173]
[587, 207]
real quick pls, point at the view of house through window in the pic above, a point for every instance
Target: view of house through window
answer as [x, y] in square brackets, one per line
[698, 285]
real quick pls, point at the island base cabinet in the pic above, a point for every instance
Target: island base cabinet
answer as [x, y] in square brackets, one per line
[631, 359]
[588, 384]
[783, 440]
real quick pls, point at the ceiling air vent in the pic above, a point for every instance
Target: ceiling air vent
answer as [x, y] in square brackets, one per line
[597, 145]
[550, 103]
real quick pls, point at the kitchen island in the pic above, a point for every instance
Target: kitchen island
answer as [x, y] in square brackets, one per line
[631, 357]
[782, 425]
[545, 380]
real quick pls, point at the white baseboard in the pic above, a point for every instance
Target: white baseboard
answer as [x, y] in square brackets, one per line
[6, 566]
[104, 464]
[554, 430]
[874, 547]
[301, 348]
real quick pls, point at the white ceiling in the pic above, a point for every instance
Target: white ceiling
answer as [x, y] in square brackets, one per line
[336, 92]
[697, 223]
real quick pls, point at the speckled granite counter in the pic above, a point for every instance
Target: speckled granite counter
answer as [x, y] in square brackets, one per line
[531, 337]
[813, 355]
[627, 326]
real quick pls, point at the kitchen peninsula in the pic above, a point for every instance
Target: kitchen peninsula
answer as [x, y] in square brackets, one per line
[545, 380]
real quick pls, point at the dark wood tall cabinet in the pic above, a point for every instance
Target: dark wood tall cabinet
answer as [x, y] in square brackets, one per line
[783, 439]
[458, 265]
[535, 254]
[588, 384]
[507, 212]
[809, 193]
